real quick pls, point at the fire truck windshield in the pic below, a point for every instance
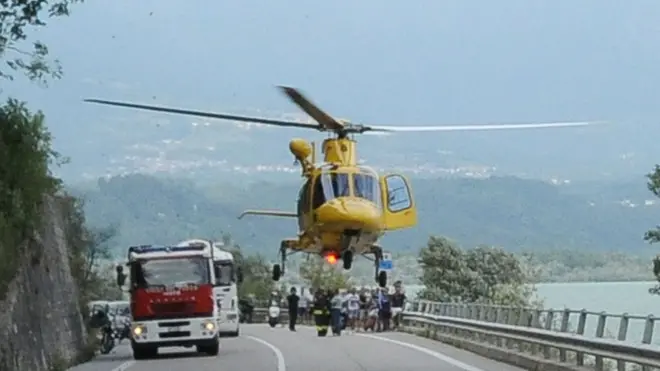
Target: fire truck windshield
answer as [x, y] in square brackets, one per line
[169, 272]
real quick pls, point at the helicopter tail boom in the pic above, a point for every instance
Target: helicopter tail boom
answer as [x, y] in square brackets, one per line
[279, 213]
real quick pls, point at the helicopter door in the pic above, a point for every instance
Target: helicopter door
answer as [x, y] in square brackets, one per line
[399, 207]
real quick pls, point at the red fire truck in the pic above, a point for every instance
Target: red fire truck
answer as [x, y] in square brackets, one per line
[172, 303]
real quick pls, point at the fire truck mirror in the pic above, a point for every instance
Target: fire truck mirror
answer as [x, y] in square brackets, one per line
[121, 277]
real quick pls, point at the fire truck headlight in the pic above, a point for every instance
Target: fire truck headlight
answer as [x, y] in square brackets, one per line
[139, 330]
[208, 326]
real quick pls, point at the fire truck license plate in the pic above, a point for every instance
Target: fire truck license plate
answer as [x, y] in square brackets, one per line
[174, 329]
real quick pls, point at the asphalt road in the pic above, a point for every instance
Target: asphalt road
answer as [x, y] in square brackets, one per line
[262, 348]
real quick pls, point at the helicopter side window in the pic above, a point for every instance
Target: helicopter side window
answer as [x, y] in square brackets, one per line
[367, 186]
[318, 197]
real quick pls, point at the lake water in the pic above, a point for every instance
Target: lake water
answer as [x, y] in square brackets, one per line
[612, 297]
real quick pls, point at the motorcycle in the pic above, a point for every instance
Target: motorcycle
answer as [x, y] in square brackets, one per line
[107, 339]
[273, 313]
[246, 309]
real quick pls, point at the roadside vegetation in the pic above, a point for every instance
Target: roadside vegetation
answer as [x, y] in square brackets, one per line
[653, 235]
[27, 159]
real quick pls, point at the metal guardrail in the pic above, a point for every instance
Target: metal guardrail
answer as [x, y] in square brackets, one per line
[528, 337]
[635, 329]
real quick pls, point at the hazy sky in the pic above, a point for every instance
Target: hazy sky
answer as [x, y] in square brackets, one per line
[387, 62]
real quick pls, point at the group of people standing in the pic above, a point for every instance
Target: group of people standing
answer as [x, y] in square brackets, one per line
[376, 310]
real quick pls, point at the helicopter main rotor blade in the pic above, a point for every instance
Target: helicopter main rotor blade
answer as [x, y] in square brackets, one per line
[213, 115]
[324, 119]
[386, 129]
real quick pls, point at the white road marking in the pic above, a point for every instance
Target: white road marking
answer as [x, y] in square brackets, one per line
[434, 354]
[124, 366]
[281, 365]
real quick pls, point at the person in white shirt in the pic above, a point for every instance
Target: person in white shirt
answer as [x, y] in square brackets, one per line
[303, 303]
[353, 306]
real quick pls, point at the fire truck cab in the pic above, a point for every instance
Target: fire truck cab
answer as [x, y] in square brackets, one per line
[171, 298]
[227, 277]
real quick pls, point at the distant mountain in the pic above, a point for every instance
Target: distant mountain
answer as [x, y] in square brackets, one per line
[505, 211]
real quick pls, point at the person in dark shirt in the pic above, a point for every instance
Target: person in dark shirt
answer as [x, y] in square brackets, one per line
[384, 310]
[398, 303]
[293, 300]
[362, 317]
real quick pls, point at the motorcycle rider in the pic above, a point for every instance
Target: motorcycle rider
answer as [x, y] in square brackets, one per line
[247, 308]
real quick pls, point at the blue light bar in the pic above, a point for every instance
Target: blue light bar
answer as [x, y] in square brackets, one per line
[155, 248]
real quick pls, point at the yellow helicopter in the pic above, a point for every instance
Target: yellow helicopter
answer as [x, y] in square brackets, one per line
[343, 208]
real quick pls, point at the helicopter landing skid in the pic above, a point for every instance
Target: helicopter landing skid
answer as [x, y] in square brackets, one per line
[279, 269]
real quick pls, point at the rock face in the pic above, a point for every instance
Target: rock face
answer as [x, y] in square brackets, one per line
[40, 321]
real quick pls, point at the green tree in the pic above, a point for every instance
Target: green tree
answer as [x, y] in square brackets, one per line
[21, 54]
[90, 254]
[483, 274]
[653, 235]
[318, 274]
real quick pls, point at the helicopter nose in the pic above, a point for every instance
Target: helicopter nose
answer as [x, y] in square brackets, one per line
[350, 213]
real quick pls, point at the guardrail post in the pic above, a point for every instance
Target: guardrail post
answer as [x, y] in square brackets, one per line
[582, 323]
[623, 332]
[473, 312]
[499, 318]
[535, 322]
[483, 313]
[647, 336]
[600, 331]
[549, 318]
[536, 318]
[523, 317]
[563, 327]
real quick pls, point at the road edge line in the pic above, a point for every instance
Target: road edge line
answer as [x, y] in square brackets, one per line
[437, 355]
[281, 364]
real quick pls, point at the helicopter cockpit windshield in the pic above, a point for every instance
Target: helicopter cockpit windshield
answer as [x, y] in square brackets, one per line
[332, 184]
[367, 186]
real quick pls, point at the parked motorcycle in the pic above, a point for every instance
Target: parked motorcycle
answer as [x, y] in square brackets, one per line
[273, 313]
[112, 329]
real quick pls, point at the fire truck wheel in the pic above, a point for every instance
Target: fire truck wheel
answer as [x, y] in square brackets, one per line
[211, 348]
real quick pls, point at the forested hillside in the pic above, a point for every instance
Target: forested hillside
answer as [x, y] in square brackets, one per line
[510, 212]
